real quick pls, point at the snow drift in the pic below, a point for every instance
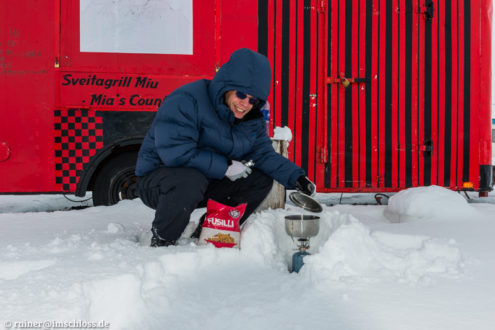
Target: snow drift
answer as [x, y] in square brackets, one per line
[347, 250]
[432, 202]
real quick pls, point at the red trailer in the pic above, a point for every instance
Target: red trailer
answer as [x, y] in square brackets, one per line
[381, 95]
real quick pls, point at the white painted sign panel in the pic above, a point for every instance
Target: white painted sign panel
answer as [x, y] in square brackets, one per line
[136, 26]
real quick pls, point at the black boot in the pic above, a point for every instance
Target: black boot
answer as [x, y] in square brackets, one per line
[156, 241]
[197, 232]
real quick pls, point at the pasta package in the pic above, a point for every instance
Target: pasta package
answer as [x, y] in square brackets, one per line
[221, 226]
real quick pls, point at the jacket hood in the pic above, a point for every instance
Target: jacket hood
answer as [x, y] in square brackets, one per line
[246, 71]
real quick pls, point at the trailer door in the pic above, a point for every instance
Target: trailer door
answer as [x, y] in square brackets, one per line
[406, 96]
[374, 80]
[27, 95]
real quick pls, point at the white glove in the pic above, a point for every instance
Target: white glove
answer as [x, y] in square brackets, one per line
[237, 170]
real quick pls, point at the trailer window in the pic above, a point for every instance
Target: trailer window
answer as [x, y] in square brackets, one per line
[129, 26]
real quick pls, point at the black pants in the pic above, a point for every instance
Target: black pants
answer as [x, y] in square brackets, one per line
[175, 192]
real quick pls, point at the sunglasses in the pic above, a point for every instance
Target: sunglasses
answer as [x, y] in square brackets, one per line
[242, 96]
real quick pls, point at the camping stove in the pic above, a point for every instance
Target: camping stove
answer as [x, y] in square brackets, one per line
[301, 228]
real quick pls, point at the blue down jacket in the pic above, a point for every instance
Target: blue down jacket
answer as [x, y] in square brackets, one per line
[194, 127]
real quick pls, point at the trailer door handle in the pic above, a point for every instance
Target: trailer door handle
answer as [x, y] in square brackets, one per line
[346, 81]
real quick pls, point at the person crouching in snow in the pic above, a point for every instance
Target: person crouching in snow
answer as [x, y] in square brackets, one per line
[198, 145]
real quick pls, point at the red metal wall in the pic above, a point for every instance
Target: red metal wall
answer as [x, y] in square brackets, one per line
[28, 39]
[417, 109]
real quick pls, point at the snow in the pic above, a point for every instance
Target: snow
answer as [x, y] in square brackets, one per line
[428, 202]
[282, 133]
[433, 269]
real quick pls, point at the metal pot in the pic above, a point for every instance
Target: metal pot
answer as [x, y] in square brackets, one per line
[302, 225]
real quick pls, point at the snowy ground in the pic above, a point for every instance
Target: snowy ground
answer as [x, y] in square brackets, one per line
[428, 265]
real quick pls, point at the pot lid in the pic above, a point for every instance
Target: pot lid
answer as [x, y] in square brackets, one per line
[305, 202]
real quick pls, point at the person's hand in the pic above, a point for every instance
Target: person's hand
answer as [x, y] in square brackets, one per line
[237, 170]
[304, 185]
